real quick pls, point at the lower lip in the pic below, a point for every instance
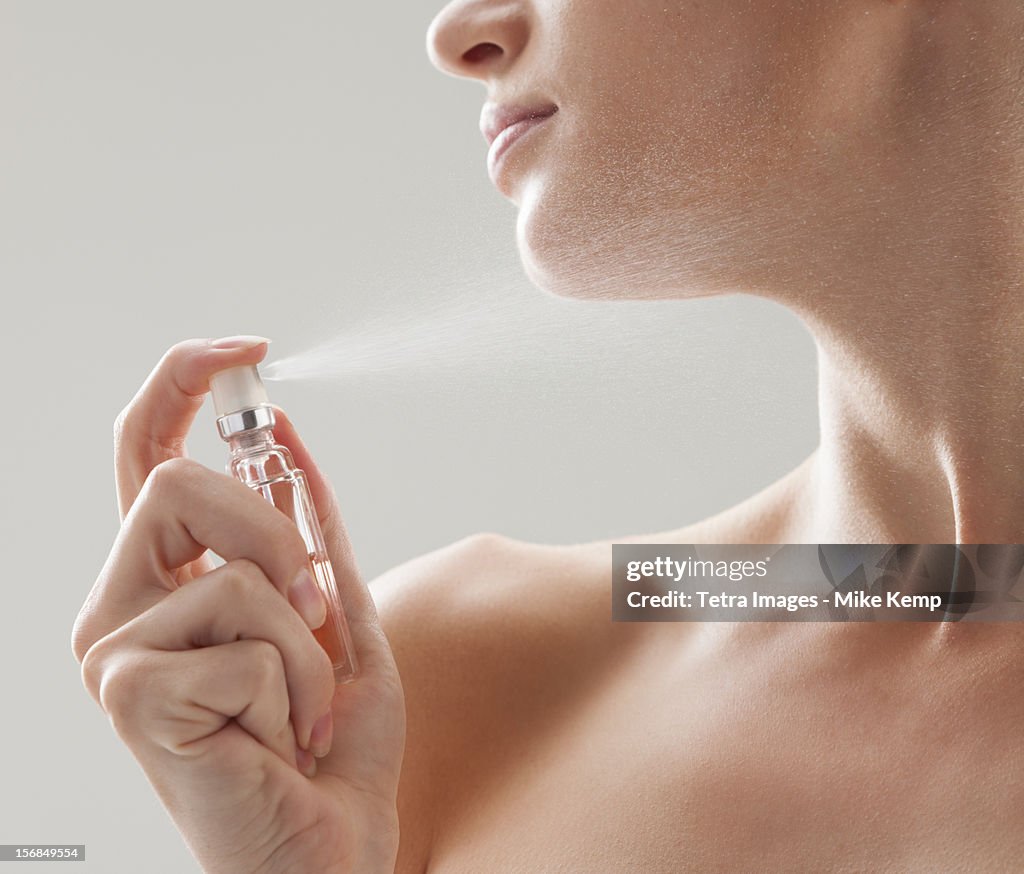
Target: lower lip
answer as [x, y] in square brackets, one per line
[508, 138]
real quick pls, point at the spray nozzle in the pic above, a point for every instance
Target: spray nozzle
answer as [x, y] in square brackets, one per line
[237, 388]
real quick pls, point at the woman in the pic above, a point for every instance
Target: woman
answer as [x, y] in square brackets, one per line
[859, 161]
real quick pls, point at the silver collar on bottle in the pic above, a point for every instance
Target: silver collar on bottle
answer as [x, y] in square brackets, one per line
[248, 419]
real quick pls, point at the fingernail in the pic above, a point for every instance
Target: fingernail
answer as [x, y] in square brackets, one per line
[242, 341]
[306, 598]
[305, 762]
[320, 737]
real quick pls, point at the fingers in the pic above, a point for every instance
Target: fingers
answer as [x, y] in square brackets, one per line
[153, 426]
[178, 700]
[174, 673]
[237, 602]
[246, 680]
[183, 510]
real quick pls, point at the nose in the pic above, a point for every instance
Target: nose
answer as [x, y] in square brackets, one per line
[478, 39]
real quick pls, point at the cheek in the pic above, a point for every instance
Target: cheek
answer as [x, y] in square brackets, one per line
[653, 183]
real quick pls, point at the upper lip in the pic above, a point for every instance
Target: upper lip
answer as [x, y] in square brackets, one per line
[496, 117]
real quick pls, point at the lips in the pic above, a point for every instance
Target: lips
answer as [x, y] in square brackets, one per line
[502, 126]
[496, 118]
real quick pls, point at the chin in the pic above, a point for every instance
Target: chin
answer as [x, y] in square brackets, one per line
[565, 248]
[570, 248]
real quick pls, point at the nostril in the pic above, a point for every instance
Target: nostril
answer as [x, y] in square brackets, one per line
[481, 52]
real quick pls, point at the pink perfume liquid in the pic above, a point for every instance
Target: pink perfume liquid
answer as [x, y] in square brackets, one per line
[333, 635]
[267, 467]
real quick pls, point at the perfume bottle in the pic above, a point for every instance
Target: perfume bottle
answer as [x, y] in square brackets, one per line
[245, 421]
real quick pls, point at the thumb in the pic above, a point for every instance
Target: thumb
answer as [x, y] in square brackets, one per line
[360, 609]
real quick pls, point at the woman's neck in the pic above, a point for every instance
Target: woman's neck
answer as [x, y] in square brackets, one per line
[914, 294]
[921, 399]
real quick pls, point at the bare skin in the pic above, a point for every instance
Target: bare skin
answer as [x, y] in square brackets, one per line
[860, 162]
[543, 737]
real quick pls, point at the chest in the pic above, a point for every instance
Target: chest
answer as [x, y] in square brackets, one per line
[757, 765]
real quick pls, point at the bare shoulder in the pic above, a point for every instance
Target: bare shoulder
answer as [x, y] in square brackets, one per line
[498, 641]
[494, 639]
[454, 617]
[486, 572]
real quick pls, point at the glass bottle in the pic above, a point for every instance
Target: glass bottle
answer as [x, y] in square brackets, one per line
[245, 420]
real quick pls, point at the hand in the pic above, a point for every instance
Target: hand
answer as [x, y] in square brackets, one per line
[212, 676]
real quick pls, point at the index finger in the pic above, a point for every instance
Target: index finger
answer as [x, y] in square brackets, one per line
[152, 428]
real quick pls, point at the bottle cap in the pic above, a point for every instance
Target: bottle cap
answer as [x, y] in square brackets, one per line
[237, 388]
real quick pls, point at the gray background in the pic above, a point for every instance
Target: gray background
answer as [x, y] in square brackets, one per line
[209, 168]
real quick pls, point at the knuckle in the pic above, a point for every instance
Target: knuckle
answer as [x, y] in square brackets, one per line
[88, 626]
[171, 476]
[81, 638]
[183, 349]
[96, 664]
[120, 423]
[118, 680]
[267, 664]
[119, 688]
[246, 578]
[176, 354]
[92, 671]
